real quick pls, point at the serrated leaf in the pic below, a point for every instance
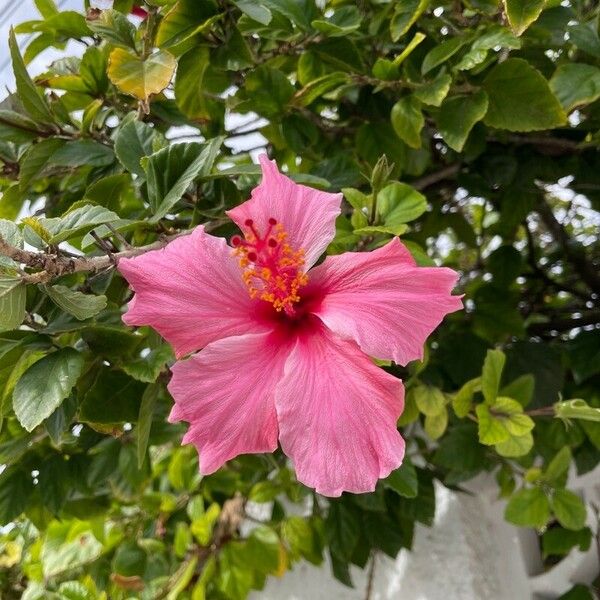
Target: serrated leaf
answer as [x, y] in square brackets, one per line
[520, 99]
[185, 19]
[81, 306]
[139, 77]
[135, 140]
[114, 27]
[522, 13]
[43, 387]
[575, 84]
[29, 95]
[170, 171]
[77, 221]
[491, 430]
[435, 91]
[399, 203]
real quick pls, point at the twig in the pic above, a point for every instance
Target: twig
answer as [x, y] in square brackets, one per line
[119, 236]
[566, 324]
[371, 576]
[53, 265]
[428, 180]
[573, 250]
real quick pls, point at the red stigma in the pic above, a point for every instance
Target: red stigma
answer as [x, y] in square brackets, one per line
[272, 269]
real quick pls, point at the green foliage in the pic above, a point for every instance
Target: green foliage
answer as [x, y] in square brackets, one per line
[424, 123]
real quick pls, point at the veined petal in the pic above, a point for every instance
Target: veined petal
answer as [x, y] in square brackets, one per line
[190, 291]
[226, 394]
[307, 215]
[337, 415]
[383, 300]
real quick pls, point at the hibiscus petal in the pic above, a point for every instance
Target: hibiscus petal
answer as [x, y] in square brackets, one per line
[383, 300]
[191, 292]
[226, 393]
[307, 215]
[337, 415]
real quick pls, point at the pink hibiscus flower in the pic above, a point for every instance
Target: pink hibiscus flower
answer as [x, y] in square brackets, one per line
[285, 347]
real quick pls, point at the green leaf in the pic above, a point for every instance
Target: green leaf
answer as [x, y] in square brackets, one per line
[29, 95]
[44, 386]
[145, 421]
[558, 541]
[114, 27]
[81, 306]
[522, 13]
[520, 389]
[255, 10]
[416, 40]
[139, 77]
[575, 84]
[510, 412]
[399, 203]
[569, 509]
[491, 429]
[135, 140]
[302, 539]
[83, 153]
[76, 222]
[171, 171]
[36, 159]
[515, 446]
[558, 468]
[113, 398]
[520, 99]
[491, 374]
[405, 14]
[462, 402]
[435, 425]
[435, 91]
[408, 121]
[341, 530]
[576, 409]
[441, 53]
[430, 400]
[12, 302]
[16, 488]
[458, 115]
[148, 367]
[343, 21]
[528, 508]
[189, 83]
[319, 86]
[403, 480]
[185, 19]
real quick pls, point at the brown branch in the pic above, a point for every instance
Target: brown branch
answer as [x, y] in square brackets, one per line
[53, 265]
[565, 324]
[428, 180]
[573, 250]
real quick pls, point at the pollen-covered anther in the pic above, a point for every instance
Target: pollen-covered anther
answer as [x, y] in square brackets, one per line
[273, 270]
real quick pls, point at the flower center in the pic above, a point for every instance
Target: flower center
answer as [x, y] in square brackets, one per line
[272, 269]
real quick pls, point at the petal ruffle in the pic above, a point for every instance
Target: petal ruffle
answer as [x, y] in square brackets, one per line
[191, 292]
[226, 394]
[383, 300]
[307, 215]
[337, 415]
